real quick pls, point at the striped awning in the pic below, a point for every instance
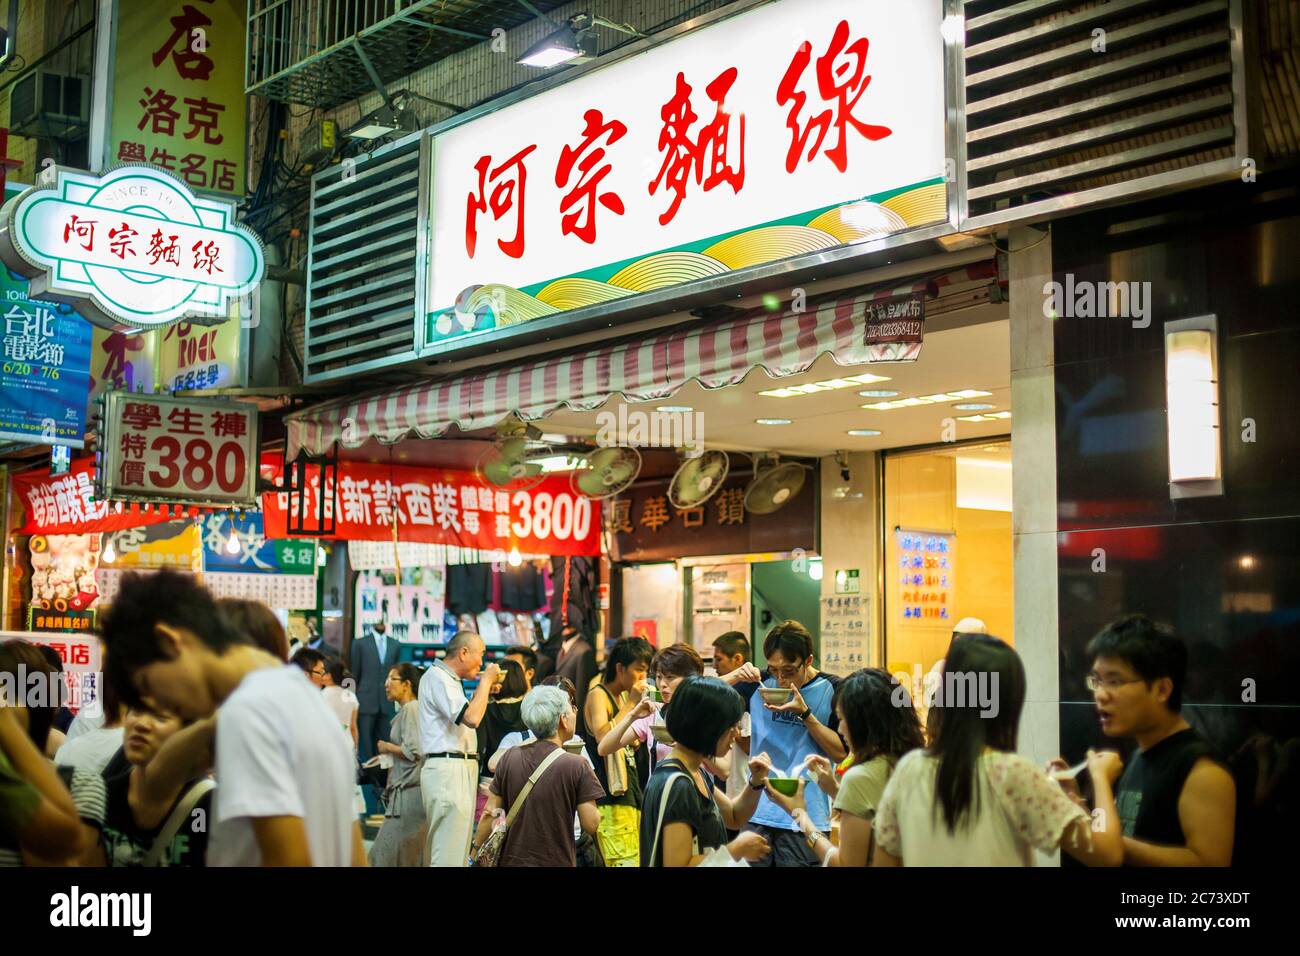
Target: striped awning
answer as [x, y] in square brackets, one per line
[715, 355]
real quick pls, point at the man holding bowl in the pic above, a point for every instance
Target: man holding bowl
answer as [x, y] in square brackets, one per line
[791, 717]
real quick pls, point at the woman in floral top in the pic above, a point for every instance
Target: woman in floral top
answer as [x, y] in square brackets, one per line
[969, 799]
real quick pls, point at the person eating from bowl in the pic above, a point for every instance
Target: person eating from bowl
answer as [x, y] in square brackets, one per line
[670, 667]
[791, 719]
[685, 818]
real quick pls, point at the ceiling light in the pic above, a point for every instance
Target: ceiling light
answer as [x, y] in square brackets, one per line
[973, 406]
[1192, 407]
[863, 432]
[879, 393]
[970, 393]
[971, 418]
[938, 397]
[998, 415]
[825, 385]
[677, 408]
[773, 421]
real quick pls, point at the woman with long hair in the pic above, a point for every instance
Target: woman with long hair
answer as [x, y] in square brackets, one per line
[880, 726]
[969, 799]
[612, 697]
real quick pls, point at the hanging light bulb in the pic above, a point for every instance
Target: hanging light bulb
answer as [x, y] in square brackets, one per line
[232, 543]
[321, 556]
[515, 559]
[108, 555]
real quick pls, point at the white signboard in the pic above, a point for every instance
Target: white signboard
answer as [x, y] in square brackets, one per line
[845, 633]
[798, 126]
[164, 448]
[133, 247]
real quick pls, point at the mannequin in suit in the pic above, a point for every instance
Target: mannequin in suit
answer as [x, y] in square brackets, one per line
[372, 658]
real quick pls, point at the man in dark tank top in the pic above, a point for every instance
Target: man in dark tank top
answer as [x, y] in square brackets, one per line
[1175, 798]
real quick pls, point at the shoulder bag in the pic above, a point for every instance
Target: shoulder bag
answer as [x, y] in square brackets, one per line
[718, 856]
[180, 813]
[490, 852]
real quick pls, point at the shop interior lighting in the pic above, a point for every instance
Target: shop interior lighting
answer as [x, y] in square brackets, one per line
[555, 463]
[232, 543]
[863, 432]
[815, 569]
[1192, 394]
[826, 385]
[574, 42]
[973, 407]
[879, 393]
[772, 421]
[515, 558]
[992, 417]
[108, 555]
[674, 408]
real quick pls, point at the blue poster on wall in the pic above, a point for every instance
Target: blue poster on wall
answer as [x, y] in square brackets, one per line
[45, 372]
[45, 366]
[252, 552]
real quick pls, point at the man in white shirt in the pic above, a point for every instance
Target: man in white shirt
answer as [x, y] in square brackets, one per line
[449, 780]
[285, 774]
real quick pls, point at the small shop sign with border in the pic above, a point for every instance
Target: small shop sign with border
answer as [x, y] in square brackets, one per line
[169, 449]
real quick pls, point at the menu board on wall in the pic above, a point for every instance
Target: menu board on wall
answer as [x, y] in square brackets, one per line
[927, 576]
[845, 633]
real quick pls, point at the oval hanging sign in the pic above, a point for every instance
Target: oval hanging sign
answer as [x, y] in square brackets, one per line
[132, 247]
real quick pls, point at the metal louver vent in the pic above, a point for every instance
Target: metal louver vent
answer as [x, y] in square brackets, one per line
[1071, 102]
[363, 273]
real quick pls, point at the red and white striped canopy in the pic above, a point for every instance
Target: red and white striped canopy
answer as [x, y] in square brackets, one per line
[715, 355]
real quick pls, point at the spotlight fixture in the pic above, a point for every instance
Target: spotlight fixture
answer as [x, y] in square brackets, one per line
[574, 42]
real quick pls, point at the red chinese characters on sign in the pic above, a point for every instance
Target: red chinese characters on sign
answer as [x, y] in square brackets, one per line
[81, 229]
[703, 157]
[509, 184]
[841, 81]
[187, 44]
[585, 195]
[182, 450]
[171, 114]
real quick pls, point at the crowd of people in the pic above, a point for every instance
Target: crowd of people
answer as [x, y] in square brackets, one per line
[217, 747]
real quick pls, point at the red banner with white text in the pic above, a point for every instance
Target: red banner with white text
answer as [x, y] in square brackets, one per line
[438, 506]
[67, 505]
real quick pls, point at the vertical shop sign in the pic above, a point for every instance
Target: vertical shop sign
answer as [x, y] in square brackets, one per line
[845, 633]
[200, 356]
[927, 574]
[178, 90]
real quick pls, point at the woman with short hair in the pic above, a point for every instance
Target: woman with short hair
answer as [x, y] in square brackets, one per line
[541, 832]
[685, 818]
[401, 839]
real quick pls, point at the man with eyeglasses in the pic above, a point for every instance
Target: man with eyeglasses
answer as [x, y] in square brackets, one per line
[789, 733]
[1175, 799]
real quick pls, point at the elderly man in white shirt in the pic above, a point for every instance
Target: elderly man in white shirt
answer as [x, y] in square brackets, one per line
[449, 780]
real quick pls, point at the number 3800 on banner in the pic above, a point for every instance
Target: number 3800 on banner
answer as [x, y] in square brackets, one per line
[179, 449]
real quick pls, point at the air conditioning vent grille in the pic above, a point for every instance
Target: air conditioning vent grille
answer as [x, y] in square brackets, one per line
[1064, 99]
[363, 274]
